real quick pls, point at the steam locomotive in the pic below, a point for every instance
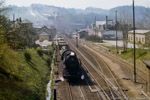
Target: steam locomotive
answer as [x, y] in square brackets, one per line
[71, 65]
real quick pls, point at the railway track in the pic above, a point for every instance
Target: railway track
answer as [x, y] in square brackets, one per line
[80, 92]
[70, 93]
[99, 77]
[103, 67]
[141, 74]
[76, 90]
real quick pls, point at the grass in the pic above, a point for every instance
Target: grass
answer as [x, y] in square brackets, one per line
[103, 44]
[22, 80]
[141, 54]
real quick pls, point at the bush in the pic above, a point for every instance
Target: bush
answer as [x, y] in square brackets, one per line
[40, 52]
[51, 53]
[48, 61]
[36, 46]
[94, 38]
[27, 56]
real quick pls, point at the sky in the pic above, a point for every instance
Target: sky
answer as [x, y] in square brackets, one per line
[81, 4]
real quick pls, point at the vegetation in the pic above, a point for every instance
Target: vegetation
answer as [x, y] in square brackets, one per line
[27, 56]
[93, 38]
[24, 73]
[40, 52]
[23, 80]
[141, 54]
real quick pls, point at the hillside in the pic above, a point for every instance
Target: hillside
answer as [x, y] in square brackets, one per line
[21, 79]
[50, 15]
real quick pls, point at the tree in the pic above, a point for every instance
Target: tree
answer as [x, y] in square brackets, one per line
[4, 25]
[124, 26]
[29, 34]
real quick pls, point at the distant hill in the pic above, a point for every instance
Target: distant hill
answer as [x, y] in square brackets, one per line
[140, 13]
[67, 16]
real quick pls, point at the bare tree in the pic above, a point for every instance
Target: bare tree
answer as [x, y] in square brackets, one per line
[125, 26]
[147, 26]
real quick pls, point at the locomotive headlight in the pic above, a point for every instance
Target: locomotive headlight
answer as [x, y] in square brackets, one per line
[82, 77]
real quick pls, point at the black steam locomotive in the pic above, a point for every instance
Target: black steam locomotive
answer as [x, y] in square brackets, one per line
[71, 65]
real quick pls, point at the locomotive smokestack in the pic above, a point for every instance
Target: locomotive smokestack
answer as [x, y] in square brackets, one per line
[106, 25]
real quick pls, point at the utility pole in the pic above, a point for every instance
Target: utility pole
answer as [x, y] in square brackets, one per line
[0, 16]
[134, 76]
[95, 29]
[77, 39]
[116, 34]
[86, 30]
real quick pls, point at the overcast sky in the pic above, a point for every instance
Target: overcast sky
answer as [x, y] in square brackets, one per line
[82, 4]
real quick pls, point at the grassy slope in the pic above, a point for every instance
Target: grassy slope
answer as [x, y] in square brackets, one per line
[141, 55]
[24, 81]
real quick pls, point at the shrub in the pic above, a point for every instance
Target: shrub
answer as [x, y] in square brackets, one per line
[94, 38]
[40, 52]
[27, 56]
[48, 61]
[51, 53]
[36, 46]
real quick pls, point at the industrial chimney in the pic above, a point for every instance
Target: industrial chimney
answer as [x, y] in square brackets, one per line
[106, 25]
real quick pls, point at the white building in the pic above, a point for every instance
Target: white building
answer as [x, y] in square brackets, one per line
[141, 36]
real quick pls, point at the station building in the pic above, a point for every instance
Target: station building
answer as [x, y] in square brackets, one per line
[141, 36]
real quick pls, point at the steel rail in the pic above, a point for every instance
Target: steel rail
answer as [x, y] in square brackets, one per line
[125, 64]
[69, 90]
[107, 66]
[89, 71]
[108, 82]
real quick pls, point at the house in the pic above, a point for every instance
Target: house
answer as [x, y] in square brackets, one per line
[50, 31]
[44, 29]
[43, 36]
[141, 36]
[26, 23]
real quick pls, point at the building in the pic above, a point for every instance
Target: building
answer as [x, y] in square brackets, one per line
[44, 29]
[83, 33]
[105, 25]
[74, 35]
[101, 27]
[26, 23]
[50, 31]
[43, 36]
[141, 36]
[111, 35]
